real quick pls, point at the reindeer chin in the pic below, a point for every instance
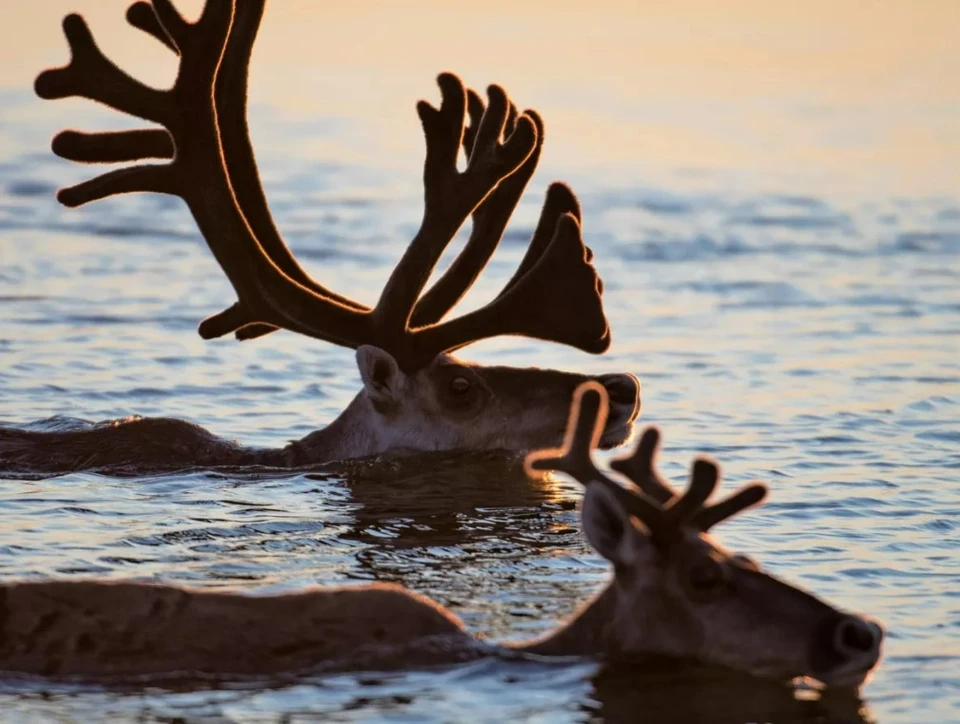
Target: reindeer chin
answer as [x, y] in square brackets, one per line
[852, 677]
[616, 435]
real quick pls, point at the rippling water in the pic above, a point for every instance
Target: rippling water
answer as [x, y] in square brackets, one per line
[798, 319]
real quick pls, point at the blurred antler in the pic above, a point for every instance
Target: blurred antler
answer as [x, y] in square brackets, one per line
[649, 502]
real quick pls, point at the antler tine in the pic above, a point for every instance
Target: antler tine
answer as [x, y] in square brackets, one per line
[156, 178]
[113, 146]
[511, 124]
[703, 480]
[491, 217]
[475, 111]
[641, 469]
[141, 16]
[253, 331]
[117, 146]
[449, 196]
[177, 29]
[559, 200]
[744, 498]
[492, 123]
[91, 75]
[588, 417]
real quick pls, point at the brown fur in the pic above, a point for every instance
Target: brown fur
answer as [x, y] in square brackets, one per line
[143, 444]
[98, 629]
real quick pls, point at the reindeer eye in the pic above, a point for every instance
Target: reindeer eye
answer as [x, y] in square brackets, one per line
[707, 577]
[460, 385]
[460, 393]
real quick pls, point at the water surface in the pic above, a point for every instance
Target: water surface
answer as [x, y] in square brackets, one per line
[772, 198]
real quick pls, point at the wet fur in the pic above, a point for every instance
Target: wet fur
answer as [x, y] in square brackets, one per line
[102, 630]
[154, 444]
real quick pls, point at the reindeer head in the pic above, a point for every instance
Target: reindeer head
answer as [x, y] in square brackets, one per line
[453, 404]
[676, 591]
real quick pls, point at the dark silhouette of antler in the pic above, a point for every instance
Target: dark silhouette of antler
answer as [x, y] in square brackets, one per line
[653, 502]
[491, 217]
[555, 294]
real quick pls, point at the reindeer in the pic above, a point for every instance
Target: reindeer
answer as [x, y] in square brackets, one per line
[675, 592]
[416, 395]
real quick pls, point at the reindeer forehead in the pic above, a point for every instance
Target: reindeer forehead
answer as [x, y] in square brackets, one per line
[693, 543]
[532, 380]
[507, 376]
[448, 360]
[444, 363]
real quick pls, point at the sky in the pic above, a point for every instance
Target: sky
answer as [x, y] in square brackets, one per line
[865, 89]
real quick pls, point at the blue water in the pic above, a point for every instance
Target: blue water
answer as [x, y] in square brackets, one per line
[804, 334]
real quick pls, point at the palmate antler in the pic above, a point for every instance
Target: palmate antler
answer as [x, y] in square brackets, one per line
[653, 502]
[555, 294]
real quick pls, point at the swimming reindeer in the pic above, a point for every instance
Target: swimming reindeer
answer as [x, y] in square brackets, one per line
[415, 395]
[674, 592]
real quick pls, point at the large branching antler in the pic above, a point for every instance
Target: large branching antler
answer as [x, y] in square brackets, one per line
[230, 96]
[197, 172]
[653, 502]
[555, 294]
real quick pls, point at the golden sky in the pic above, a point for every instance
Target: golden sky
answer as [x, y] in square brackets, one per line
[759, 85]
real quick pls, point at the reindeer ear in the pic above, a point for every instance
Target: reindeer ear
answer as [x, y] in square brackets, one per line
[608, 526]
[381, 376]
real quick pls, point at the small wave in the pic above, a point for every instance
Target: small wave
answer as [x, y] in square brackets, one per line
[800, 223]
[29, 188]
[15, 298]
[696, 248]
[56, 423]
[952, 436]
[772, 295]
[665, 205]
[926, 241]
[803, 202]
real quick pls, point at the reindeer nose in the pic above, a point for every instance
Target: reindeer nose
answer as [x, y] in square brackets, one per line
[623, 389]
[855, 638]
[843, 643]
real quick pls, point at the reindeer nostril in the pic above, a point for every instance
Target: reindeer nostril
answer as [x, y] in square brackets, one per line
[842, 639]
[623, 389]
[855, 636]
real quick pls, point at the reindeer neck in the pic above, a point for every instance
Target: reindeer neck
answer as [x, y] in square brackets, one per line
[589, 633]
[350, 435]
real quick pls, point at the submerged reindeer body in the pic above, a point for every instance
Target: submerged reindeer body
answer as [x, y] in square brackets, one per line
[105, 630]
[674, 592]
[413, 398]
